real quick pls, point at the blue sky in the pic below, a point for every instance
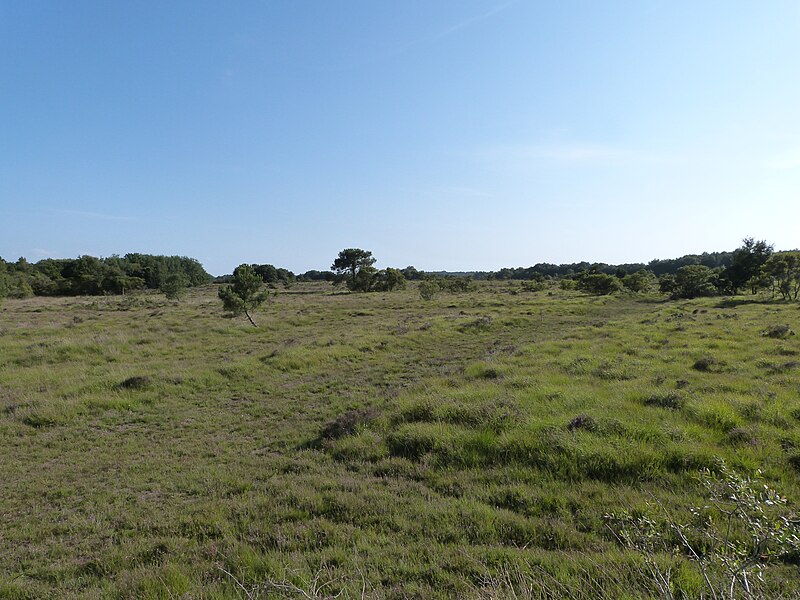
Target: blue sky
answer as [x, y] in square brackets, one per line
[469, 134]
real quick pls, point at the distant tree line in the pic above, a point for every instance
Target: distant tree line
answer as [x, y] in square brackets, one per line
[269, 274]
[354, 268]
[658, 267]
[92, 276]
[752, 267]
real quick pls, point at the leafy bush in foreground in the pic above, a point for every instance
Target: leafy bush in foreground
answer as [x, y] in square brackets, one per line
[730, 540]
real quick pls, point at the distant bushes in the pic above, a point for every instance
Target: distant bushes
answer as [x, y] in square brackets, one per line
[598, 284]
[91, 276]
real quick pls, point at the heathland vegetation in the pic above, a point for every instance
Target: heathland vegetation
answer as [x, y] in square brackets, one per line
[600, 433]
[754, 266]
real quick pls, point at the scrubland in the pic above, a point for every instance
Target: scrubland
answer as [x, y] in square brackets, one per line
[379, 445]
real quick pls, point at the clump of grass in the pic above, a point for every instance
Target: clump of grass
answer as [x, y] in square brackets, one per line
[479, 324]
[578, 366]
[365, 445]
[741, 436]
[584, 422]
[613, 372]
[413, 440]
[482, 370]
[137, 382]
[794, 461]
[783, 351]
[707, 364]
[348, 423]
[494, 415]
[670, 400]
[779, 332]
[784, 368]
[717, 415]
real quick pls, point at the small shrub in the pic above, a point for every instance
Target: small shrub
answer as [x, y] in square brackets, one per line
[778, 332]
[717, 415]
[740, 436]
[348, 423]
[578, 366]
[794, 461]
[533, 286]
[428, 289]
[582, 422]
[670, 400]
[482, 371]
[599, 284]
[732, 563]
[706, 364]
[613, 372]
[137, 382]
[415, 439]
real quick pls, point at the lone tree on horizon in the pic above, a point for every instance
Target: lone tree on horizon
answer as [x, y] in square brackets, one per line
[351, 261]
[245, 293]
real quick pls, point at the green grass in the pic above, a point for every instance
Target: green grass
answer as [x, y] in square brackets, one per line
[461, 446]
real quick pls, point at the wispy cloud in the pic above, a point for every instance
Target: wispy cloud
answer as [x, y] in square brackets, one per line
[470, 21]
[447, 31]
[92, 215]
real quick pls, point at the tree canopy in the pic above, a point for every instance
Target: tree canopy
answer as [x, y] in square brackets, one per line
[351, 262]
[245, 294]
[89, 275]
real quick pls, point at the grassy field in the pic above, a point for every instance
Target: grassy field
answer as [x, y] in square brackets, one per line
[376, 445]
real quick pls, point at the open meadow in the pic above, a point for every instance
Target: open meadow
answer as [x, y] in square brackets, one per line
[380, 445]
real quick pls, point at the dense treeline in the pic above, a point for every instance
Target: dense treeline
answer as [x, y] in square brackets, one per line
[269, 274]
[752, 267]
[658, 267]
[91, 276]
[537, 272]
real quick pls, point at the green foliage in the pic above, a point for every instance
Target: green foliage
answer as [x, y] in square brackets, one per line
[456, 285]
[567, 284]
[174, 285]
[363, 280]
[412, 274]
[388, 280]
[783, 272]
[746, 264]
[428, 289]
[731, 539]
[245, 294]
[666, 284]
[639, 282]
[598, 284]
[695, 281]
[19, 288]
[533, 286]
[314, 275]
[349, 263]
[354, 266]
[271, 274]
[91, 276]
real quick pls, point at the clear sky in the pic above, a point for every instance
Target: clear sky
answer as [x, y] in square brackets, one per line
[452, 134]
